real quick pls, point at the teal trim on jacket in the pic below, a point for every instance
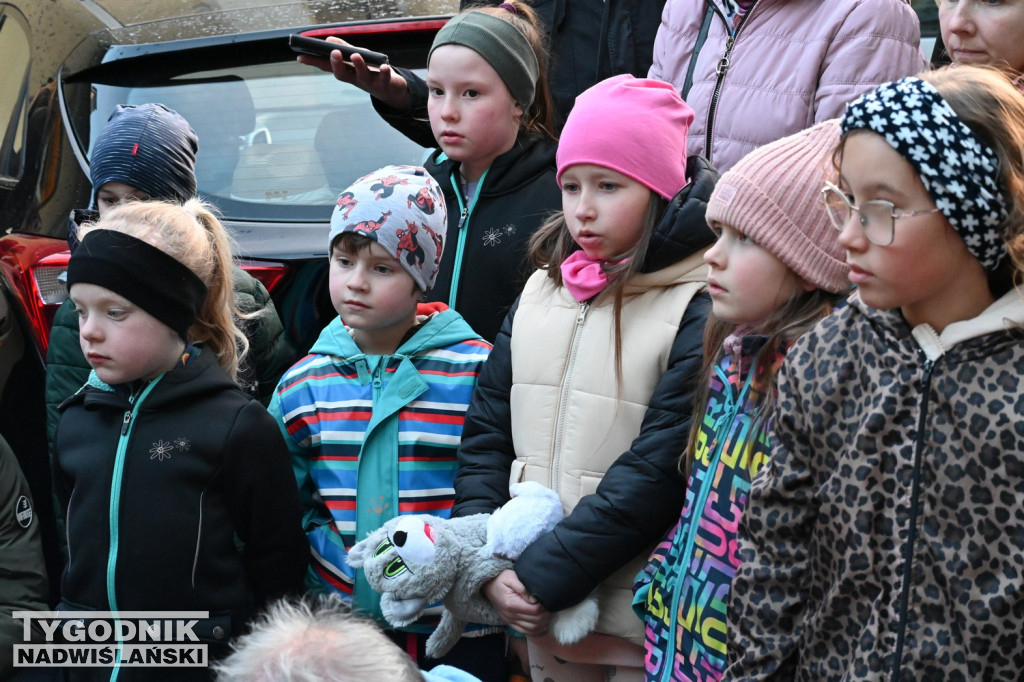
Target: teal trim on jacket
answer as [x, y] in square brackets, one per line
[681, 594]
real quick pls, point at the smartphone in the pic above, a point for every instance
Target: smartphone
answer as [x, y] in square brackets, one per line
[323, 48]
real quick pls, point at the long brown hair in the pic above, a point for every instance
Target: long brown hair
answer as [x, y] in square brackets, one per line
[796, 316]
[552, 243]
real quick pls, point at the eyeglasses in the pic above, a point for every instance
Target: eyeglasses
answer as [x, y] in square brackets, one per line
[877, 219]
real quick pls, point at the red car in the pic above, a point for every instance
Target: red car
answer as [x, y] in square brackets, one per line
[277, 143]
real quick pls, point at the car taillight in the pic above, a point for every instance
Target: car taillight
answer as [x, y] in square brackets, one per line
[32, 266]
[269, 273]
[50, 291]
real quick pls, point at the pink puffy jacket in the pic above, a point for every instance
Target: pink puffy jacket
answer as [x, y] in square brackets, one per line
[791, 64]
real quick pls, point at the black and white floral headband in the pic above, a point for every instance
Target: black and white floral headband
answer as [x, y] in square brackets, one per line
[959, 170]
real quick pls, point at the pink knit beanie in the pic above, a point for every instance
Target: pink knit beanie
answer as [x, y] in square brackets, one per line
[635, 126]
[773, 195]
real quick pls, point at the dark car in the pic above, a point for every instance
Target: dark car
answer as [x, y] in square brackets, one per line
[278, 141]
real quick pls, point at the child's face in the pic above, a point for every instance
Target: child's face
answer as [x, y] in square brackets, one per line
[981, 32]
[927, 271]
[121, 341]
[746, 282]
[374, 295]
[603, 209]
[472, 114]
[110, 194]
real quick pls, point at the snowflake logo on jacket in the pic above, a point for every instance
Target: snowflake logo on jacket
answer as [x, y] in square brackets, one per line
[492, 237]
[161, 450]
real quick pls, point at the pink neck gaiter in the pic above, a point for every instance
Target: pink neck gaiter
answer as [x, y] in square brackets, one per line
[583, 276]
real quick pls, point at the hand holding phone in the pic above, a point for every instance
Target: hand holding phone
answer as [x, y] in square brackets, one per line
[317, 47]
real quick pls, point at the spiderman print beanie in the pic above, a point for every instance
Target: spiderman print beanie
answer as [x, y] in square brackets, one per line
[403, 210]
[148, 147]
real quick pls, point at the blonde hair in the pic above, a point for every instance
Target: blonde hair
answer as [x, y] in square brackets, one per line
[312, 640]
[788, 322]
[191, 234]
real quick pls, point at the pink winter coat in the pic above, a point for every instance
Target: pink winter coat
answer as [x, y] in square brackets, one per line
[793, 63]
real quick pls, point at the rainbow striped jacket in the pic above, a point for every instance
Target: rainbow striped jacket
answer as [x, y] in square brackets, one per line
[373, 437]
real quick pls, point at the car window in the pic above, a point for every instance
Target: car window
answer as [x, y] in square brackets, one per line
[276, 141]
[14, 55]
[928, 13]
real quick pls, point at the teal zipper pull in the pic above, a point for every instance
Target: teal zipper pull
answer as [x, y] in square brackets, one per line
[462, 217]
[126, 422]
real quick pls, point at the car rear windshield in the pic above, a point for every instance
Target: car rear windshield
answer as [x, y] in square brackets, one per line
[277, 141]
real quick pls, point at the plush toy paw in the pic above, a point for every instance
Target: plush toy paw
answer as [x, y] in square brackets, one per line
[576, 622]
[533, 510]
[401, 612]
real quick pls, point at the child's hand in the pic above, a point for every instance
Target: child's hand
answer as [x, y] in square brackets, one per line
[516, 606]
[383, 83]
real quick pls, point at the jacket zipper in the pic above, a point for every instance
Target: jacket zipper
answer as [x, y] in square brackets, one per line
[728, 414]
[563, 394]
[720, 71]
[114, 508]
[462, 230]
[929, 366]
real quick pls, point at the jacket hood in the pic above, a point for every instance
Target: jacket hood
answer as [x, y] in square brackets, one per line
[529, 157]
[1005, 314]
[683, 231]
[200, 377]
[438, 330]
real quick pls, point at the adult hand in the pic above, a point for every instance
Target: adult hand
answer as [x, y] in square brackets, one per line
[383, 83]
[516, 606]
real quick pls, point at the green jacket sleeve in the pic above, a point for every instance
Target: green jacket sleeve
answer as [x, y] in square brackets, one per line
[270, 354]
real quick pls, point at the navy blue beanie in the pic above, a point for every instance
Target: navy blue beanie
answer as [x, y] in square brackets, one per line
[148, 147]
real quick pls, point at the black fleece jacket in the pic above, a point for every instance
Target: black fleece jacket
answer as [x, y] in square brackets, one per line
[202, 465]
[611, 526]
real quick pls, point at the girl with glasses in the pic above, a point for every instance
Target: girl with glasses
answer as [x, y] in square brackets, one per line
[885, 538]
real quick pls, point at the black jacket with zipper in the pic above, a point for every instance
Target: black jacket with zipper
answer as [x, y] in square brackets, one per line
[204, 470]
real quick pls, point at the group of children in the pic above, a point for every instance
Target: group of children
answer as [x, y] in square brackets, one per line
[834, 480]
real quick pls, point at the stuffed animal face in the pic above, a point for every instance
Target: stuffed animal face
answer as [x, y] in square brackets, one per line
[411, 561]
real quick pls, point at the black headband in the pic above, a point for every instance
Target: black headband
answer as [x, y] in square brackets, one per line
[141, 273]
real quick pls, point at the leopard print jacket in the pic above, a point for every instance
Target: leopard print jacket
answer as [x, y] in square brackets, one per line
[885, 538]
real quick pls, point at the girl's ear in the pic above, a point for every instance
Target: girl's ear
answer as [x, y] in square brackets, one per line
[517, 111]
[807, 286]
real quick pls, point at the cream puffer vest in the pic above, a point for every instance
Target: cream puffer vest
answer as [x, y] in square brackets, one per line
[571, 418]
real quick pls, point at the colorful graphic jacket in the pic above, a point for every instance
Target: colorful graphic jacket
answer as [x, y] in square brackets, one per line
[681, 594]
[373, 437]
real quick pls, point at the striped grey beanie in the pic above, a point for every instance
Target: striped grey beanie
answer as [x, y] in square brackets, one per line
[149, 147]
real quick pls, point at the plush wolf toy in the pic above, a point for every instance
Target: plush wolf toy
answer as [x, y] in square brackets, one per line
[415, 561]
